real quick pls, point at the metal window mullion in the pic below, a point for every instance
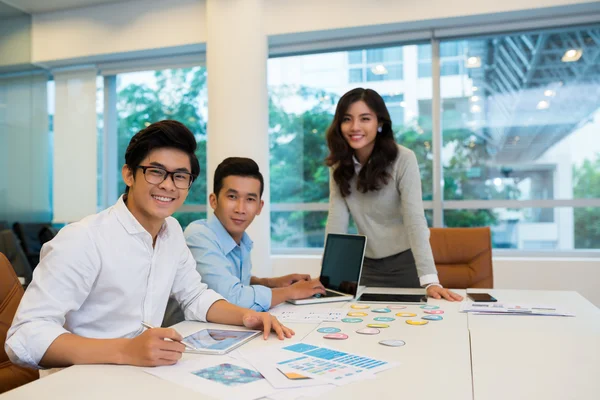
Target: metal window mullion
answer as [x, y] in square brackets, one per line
[436, 135]
[109, 160]
[489, 204]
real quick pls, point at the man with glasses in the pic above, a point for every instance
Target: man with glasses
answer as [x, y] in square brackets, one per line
[100, 278]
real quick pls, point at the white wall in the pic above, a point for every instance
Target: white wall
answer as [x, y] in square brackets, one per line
[289, 16]
[15, 41]
[132, 26]
[150, 25]
[578, 274]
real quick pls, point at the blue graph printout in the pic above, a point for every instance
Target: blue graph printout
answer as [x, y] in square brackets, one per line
[330, 364]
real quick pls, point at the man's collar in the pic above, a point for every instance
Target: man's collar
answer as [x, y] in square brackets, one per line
[130, 223]
[225, 239]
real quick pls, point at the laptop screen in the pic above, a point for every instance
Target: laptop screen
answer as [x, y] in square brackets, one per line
[342, 262]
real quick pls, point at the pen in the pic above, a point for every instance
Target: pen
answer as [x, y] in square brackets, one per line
[189, 346]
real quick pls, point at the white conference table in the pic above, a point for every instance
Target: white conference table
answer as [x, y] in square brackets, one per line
[522, 357]
[461, 357]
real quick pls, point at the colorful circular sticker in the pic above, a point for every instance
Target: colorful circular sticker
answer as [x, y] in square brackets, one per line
[329, 330]
[352, 320]
[406, 314]
[432, 317]
[430, 307]
[368, 331]
[357, 314]
[336, 336]
[413, 322]
[433, 311]
[384, 319]
[359, 306]
[392, 342]
[378, 325]
[396, 307]
[381, 310]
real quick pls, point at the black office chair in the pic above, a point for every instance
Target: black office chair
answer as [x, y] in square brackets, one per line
[9, 245]
[31, 235]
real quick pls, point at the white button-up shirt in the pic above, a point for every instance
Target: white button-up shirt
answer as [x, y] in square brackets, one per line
[100, 278]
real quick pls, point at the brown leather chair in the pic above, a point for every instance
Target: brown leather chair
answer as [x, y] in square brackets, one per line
[11, 292]
[463, 257]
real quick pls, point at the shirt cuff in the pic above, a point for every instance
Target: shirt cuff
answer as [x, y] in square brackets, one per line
[198, 311]
[29, 343]
[262, 297]
[428, 279]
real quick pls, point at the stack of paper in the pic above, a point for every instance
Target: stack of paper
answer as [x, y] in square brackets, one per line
[512, 309]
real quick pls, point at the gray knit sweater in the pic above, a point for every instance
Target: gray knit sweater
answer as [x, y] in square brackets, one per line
[392, 218]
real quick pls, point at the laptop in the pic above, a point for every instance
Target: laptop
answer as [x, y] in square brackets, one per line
[340, 268]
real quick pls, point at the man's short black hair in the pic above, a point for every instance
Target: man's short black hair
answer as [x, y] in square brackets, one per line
[162, 134]
[237, 166]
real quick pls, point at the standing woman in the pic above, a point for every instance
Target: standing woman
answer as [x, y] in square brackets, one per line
[377, 181]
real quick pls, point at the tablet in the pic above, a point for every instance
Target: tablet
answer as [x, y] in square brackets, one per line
[392, 298]
[218, 341]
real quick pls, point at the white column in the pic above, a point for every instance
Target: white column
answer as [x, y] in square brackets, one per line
[236, 54]
[75, 145]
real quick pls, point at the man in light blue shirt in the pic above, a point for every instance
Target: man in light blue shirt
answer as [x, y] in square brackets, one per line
[222, 247]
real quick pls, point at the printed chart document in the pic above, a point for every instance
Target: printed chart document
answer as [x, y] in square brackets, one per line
[221, 377]
[512, 309]
[292, 313]
[301, 361]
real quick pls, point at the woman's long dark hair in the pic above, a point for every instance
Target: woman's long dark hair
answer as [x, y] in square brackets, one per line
[374, 175]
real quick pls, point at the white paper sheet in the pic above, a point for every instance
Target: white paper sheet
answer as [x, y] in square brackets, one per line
[317, 362]
[291, 394]
[222, 377]
[512, 309]
[291, 313]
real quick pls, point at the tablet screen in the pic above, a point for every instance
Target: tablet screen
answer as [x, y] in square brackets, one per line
[218, 339]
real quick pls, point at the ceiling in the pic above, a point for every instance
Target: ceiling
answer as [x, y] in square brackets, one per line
[42, 6]
[7, 11]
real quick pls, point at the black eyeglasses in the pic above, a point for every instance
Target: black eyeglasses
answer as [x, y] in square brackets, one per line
[157, 175]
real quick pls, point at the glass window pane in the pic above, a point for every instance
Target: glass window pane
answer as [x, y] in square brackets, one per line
[449, 68]
[449, 49]
[301, 108]
[393, 72]
[356, 75]
[149, 96]
[390, 54]
[561, 228]
[424, 51]
[298, 229]
[185, 218]
[521, 123]
[355, 57]
[424, 69]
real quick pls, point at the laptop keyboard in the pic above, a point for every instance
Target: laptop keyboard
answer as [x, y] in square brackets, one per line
[328, 294]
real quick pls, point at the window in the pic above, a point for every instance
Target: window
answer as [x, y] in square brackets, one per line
[149, 96]
[382, 64]
[302, 107]
[520, 116]
[521, 127]
[451, 59]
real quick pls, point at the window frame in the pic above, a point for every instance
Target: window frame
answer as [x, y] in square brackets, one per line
[438, 205]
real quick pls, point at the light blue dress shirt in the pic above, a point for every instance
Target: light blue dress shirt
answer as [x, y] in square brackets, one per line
[224, 265]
